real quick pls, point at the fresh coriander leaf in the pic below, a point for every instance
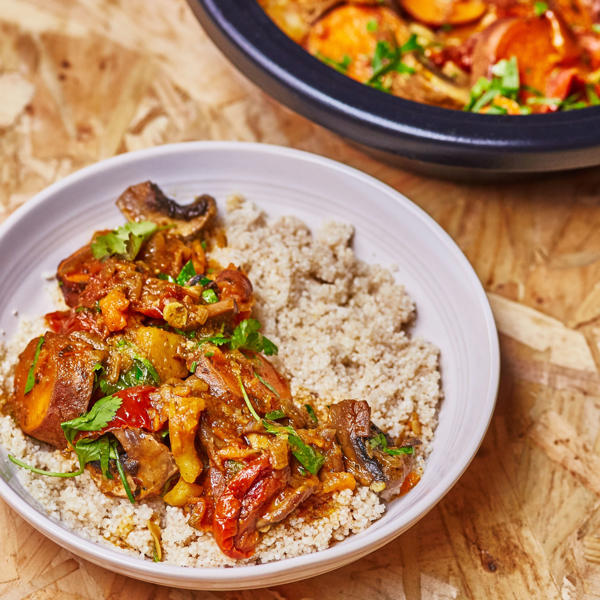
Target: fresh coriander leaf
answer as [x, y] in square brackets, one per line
[540, 8]
[209, 296]
[246, 335]
[141, 372]
[30, 381]
[596, 27]
[274, 415]
[203, 244]
[411, 45]
[23, 465]
[372, 25]
[341, 66]
[99, 416]
[97, 367]
[80, 309]
[209, 354]
[125, 241]
[312, 460]
[166, 277]
[218, 340]
[122, 476]
[187, 272]
[307, 456]
[193, 366]
[104, 456]
[404, 68]
[267, 385]
[311, 413]
[401, 450]
[205, 281]
[247, 400]
[380, 442]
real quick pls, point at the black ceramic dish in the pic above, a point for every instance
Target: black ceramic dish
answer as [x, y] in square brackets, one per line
[438, 140]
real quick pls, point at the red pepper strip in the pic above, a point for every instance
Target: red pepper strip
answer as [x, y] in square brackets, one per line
[135, 411]
[229, 506]
[260, 494]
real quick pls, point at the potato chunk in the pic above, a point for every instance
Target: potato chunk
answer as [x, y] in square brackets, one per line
[160, 347]
[63, 378]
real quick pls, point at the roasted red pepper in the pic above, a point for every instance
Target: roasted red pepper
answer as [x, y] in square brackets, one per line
[248, 490]
[136, 410]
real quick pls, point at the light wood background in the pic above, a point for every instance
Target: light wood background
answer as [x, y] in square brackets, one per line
[81, 80]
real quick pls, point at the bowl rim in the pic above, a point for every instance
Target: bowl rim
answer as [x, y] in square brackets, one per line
[419, 132]
[289, 569]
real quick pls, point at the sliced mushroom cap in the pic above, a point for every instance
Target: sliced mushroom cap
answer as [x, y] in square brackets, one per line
[148, 465]
[147, 202]
[286, 502]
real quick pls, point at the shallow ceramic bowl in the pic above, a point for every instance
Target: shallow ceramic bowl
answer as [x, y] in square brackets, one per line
[453, 312]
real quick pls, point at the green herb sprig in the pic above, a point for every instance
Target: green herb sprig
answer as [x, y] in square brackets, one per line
[245, 336]
[30, 381]
[380, 442]
[312, 460]
[125, 241]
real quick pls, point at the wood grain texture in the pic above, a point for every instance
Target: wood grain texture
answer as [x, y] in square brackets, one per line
[86, 79]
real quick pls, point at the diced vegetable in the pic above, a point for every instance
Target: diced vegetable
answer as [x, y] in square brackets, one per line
[160, 348]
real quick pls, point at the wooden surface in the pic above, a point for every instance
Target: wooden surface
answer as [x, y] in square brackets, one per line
[81, 80]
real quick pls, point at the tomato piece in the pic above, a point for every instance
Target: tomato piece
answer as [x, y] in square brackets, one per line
[67, 321]
[229, 506]
[136, 410]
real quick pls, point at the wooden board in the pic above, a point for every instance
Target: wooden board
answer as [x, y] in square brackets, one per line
[86, 79]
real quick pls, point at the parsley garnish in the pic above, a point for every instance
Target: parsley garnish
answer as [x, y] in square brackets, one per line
[540, 8]
[141, 372]
[380, 441]
[596, 27]
[99, 416]
[126, 241]
[87, 449]
[246, 335]
[274, 415]
[209, 296]
[372, 25]
[187, 272]
[166, 277]
[341, 66]
[193, 366]
[30, 381]
[306, 455]
[311, 413]
[267, 384]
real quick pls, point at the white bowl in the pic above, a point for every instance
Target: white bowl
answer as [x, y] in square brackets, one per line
[453, 312]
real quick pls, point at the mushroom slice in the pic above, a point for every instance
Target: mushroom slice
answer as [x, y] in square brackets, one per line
[147, 202]
[148, 465]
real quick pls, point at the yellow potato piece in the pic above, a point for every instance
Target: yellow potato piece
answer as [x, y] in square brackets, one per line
[159, 347]
[182, 493]
[184, 416]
